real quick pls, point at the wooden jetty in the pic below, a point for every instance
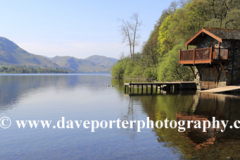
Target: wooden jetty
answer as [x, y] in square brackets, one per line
[151, 86]
[222, 89]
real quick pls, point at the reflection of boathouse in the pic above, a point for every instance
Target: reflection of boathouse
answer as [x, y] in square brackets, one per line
[216, 57]
[206, 106]
[196, 136]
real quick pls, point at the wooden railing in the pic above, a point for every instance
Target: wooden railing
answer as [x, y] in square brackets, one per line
[202, 55]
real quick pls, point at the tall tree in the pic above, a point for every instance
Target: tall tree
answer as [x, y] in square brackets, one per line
[225, 13]
[129, 31]
[150, 49]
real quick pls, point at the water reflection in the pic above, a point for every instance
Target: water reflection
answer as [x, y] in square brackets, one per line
[13, 87]
[69, 96]
[194, 143]
[75, 97]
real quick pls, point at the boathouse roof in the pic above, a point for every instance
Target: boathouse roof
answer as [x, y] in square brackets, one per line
[217, 33]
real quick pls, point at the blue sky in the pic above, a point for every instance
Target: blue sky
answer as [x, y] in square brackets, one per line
[74, 27]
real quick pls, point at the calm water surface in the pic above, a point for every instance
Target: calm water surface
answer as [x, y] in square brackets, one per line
[87, 97]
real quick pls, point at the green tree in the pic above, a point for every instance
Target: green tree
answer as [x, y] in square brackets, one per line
[170, 70]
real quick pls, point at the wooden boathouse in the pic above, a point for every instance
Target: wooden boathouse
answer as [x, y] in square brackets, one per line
[215, 61]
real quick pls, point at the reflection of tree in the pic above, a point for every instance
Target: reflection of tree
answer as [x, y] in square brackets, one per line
[220, 146]
[130, 117]
[222, 107]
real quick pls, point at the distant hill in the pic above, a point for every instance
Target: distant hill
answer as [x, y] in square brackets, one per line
[102, 60]
[12, 54]
[104, 64]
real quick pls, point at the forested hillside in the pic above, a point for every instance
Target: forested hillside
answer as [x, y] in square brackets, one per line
[159, 56]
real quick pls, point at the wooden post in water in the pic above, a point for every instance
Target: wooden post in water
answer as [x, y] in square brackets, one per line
[142, 88]
[146, 89]
[151, 89]
[156, 88]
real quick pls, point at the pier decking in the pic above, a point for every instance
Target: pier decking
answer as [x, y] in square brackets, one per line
[155, 86]
[222, 89]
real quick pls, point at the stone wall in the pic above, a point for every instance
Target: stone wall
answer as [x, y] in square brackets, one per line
[234, 66]
[207, 75]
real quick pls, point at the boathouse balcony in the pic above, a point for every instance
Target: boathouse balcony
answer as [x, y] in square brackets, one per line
[203, 56]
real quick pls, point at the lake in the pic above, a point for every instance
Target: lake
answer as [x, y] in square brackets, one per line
[88, 97]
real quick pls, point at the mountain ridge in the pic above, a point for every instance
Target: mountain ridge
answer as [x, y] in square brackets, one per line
[11, 54]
